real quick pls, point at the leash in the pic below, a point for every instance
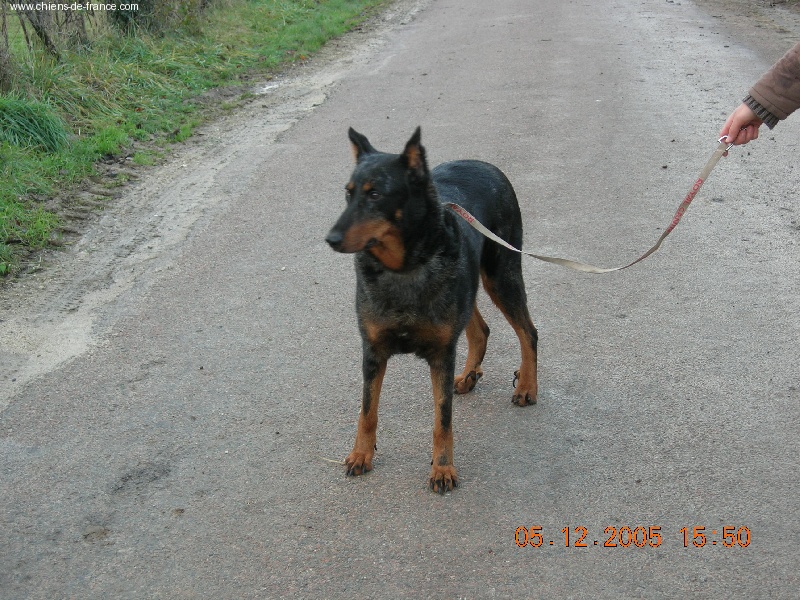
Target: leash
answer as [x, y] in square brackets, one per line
[722, 148]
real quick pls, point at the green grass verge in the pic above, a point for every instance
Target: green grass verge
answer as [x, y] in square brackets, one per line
[62, 117]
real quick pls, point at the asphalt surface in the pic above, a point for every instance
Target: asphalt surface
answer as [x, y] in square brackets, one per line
[173, 410]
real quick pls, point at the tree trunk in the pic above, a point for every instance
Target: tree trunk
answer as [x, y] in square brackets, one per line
[38, 22]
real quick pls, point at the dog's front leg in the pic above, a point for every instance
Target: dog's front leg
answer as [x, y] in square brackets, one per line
[359, 461]
[443, 474]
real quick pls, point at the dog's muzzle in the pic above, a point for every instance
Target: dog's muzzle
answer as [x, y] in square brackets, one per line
[336, 240]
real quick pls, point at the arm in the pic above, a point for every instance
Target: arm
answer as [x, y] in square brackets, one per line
[773, 97]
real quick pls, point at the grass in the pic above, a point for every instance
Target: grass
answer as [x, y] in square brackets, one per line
[31, 124]
[136, 89]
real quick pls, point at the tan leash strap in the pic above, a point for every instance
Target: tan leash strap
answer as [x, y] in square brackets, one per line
[579, 266]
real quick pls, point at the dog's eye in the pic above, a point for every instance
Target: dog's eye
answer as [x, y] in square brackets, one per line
[373, 195]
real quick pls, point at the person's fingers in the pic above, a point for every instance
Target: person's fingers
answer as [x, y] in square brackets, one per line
[747, 135]
[726, 127]
[744, 135]
[737, 133]
[741, 126]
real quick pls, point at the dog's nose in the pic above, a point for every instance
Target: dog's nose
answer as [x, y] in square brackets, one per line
[334, 239]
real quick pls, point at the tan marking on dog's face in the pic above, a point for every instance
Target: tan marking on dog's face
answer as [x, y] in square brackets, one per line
[390, 249]
[388, 244]
[367, 187]
[359, 234]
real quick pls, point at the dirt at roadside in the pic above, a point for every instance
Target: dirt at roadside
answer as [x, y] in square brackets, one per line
[768, 27]
[132, 221]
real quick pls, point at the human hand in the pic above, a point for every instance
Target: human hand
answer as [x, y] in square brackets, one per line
[741, 127]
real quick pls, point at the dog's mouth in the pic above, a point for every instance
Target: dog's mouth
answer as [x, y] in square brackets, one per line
[383, 240]
[338, 242]
[356, 239]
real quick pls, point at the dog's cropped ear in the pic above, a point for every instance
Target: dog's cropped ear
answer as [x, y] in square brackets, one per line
[360, 144]
[414, 155]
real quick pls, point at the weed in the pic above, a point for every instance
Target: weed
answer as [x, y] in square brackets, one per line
[144, 159]
[7, 260]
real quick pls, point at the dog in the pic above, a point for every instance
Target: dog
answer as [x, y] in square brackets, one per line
[418, 267]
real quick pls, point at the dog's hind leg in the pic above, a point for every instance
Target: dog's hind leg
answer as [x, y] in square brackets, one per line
[443, 473]
[359, 461]
[477, 338]
[507, 290]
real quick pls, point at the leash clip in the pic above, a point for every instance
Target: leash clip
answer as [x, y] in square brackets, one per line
[722, 140]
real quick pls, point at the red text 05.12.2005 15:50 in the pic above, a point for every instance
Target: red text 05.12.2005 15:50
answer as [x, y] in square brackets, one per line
[729, 536]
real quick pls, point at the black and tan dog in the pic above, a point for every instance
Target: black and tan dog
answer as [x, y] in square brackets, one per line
[417, 270]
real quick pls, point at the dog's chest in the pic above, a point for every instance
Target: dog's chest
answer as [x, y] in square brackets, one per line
[426, 294]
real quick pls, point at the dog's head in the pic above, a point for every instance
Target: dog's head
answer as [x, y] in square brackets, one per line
[379, 195]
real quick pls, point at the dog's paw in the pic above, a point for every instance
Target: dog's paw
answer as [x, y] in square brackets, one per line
[525, 391]
[443, 479]
[358, 463]
[466, 381]
[523, 399]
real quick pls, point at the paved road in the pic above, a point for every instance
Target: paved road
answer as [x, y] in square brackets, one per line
[172, 411]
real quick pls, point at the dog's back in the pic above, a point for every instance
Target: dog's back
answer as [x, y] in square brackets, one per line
[485, 191]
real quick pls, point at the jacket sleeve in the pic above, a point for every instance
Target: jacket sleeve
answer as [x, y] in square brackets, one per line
[777, 94]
